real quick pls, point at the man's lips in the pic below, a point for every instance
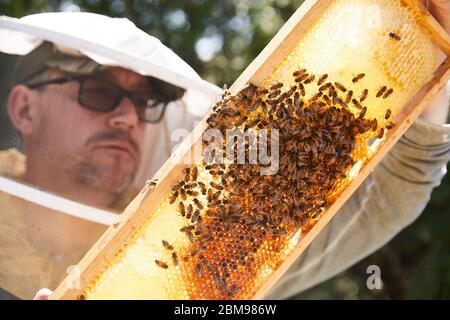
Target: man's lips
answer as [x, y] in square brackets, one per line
[119, 146]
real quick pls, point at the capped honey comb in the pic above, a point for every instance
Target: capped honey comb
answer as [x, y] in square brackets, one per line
[222, 229]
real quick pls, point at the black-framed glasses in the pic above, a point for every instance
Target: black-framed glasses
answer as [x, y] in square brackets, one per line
[102, 95]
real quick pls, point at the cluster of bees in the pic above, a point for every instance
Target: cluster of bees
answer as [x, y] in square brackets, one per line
[236, 213]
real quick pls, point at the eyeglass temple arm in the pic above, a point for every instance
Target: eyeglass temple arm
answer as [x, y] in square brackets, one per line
[51, 81]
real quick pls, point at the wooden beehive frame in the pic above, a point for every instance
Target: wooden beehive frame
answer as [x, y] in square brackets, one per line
[274, 53]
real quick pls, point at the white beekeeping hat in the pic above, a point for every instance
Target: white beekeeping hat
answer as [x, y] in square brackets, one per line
[107, 41]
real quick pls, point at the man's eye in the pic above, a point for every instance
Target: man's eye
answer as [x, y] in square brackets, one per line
[140, 101]
[98, 90]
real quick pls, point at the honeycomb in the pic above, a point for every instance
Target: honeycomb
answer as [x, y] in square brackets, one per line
[223, 229]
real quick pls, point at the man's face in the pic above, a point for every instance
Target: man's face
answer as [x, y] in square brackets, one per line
[98, 150]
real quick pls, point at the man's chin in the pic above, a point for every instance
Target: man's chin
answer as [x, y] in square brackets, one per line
[114, 182]
[110, 176]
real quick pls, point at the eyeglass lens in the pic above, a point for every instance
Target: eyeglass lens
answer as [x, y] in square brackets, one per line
[104, 96]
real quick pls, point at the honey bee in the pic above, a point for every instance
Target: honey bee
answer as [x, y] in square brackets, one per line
[390, 125]
[381, 91]
[363, 112]
[201, 184]
[290, 92]
[202, 188]
[274, 94]
[374, 125]
[174, 259]
[152, 183]
[310, 79]
[276, 86]
[349, 97]
[195, 216]
[182, 208]
[187, 228]
[388, 114]
[173, 197]
[194, 173]
[167, 245]
[248, 91]
[322, 79]
[216, 186]
[316, 215]
[388, 93]
[302, 89]
[161, 264]
[301, 78]
[262, 91]
[198, 203]
[192, 193]
[219, 281]
[357, 104]
[343, 104]
[394, 36]
[190, 237]
[340, 87]
[381, 133]
[254, 106]
[317, 96]
[358, 77]
[325, 86]
[364, 95]
[336, 99]
[264, 107]
[299, 72]
[188, 231]
[190, 209]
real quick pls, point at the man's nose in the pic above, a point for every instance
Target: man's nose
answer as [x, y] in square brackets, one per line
[125, 115]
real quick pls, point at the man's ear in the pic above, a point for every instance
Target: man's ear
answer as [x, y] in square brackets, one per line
[20, 109]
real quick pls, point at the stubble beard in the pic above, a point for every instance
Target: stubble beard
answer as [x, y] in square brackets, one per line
[93, 176]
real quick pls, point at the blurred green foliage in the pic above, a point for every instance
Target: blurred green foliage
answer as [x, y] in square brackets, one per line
[219, 39]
